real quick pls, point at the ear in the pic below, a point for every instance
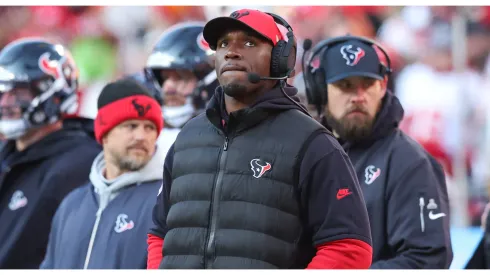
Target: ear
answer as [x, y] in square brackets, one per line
[104, 140]
[329, 87]
[215, 65]
[105, 137]
[384, 85]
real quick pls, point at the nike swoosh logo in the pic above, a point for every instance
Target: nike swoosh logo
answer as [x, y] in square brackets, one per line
[433, 216]
[339, 197]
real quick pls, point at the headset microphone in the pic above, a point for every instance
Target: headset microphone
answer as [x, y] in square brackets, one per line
[307, 44]
[306, 47]
[255, 78]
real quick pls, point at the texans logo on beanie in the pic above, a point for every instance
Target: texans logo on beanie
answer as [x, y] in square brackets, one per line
[125, 100]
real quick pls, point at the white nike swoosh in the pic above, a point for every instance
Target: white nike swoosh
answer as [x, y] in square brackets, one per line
[433, 216]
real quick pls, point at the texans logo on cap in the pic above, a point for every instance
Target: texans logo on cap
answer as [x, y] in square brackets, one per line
[237, 14]
[352, 57]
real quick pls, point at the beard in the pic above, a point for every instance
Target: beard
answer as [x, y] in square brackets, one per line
[352, 129]
[129, 163]
[235, 90]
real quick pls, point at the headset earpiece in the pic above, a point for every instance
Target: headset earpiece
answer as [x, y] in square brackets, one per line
[283, 56]
[307, 79]
[278, 68]
[320, 87]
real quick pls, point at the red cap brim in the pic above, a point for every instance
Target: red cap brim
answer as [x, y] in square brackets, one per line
[215, 28]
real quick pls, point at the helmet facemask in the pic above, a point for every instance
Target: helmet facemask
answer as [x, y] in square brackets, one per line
[29, 105]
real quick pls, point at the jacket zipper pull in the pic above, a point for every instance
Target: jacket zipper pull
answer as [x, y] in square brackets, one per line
[225, 147]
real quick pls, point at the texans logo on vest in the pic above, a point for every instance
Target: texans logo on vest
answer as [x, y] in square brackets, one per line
[140, 108]
[352, 57]
[258, 168]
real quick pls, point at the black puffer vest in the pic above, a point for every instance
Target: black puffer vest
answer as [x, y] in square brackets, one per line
[233, 198]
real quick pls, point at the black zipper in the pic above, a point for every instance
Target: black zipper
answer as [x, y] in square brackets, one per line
[209, 248]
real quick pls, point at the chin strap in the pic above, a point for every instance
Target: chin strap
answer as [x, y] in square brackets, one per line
[177, 116]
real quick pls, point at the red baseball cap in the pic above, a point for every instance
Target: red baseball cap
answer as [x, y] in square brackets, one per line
[257, 21]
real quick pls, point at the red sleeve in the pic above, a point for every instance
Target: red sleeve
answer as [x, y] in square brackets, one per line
[155, 247]
[343, 254]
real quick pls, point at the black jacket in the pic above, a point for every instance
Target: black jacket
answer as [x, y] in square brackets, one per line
[32, 185]
[405, 191]
[481, 256]
[317, 187]
[80, 123]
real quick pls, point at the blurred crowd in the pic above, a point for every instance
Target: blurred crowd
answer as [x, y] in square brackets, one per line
[439, 55]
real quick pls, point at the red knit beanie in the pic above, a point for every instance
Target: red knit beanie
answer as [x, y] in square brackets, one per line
[125, 100]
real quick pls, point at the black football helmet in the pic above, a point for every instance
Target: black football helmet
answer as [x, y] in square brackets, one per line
[182, 47]
[48, 72]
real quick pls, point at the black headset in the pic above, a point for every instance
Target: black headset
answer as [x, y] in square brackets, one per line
[283, 57]
[314, 78]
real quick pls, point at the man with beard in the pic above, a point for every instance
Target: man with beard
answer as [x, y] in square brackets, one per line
[404, 187]
[104, 224]
[254, 182]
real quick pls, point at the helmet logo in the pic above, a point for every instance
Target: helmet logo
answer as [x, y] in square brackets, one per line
[51, 67]
[203, 45]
